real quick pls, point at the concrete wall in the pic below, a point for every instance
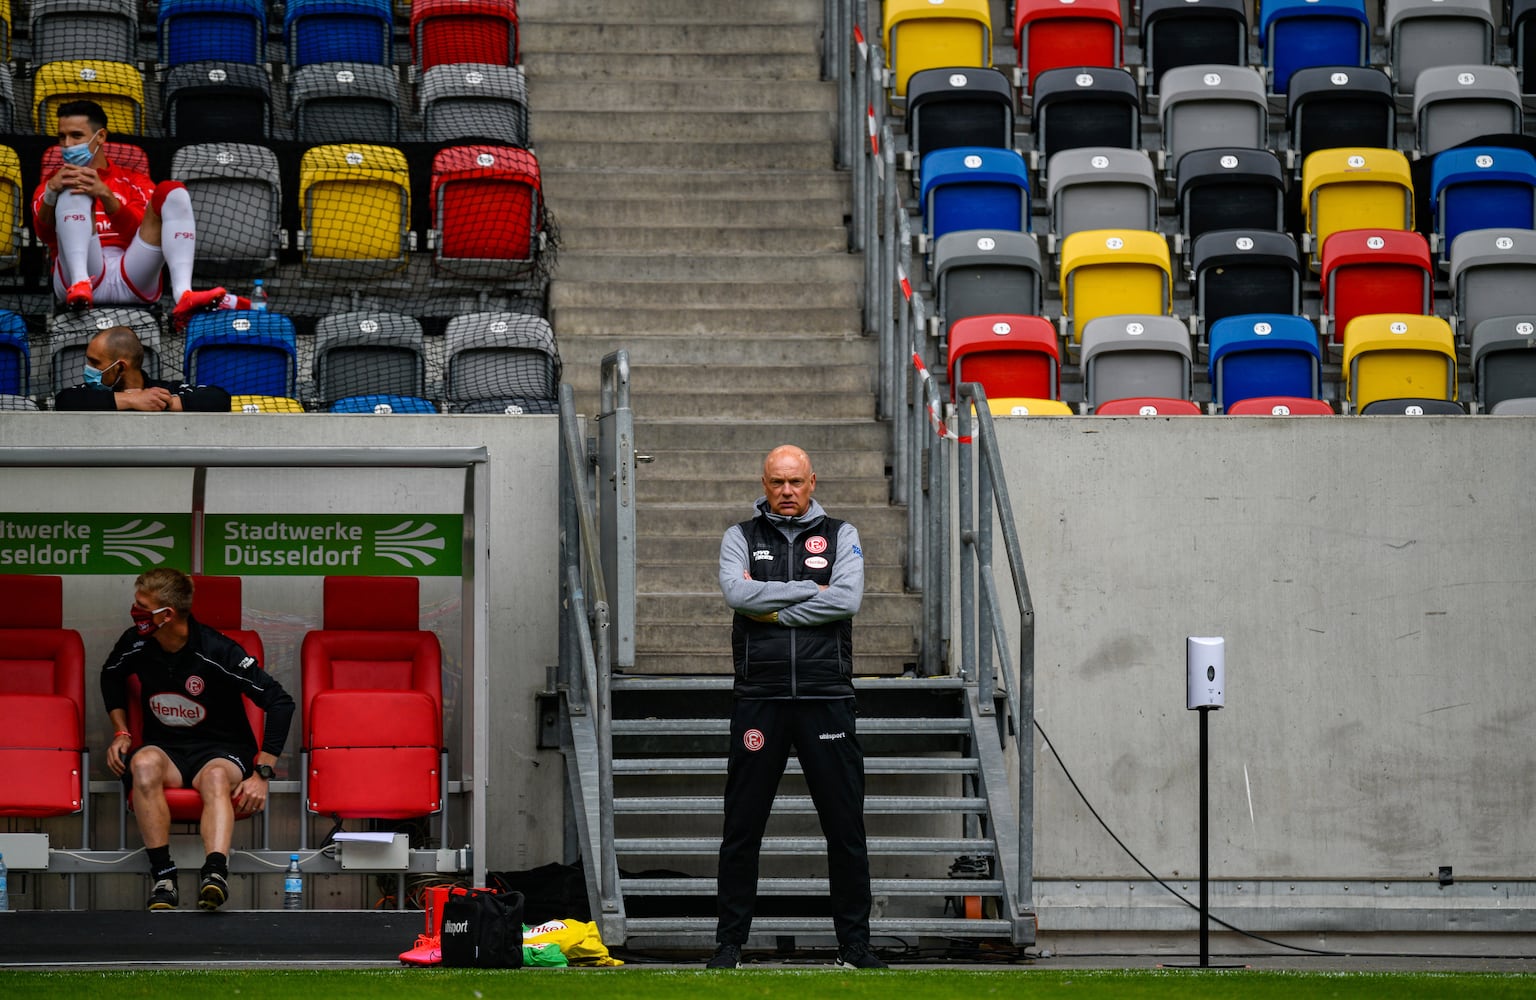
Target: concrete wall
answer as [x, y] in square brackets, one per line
[524, 816]
[1372, 579]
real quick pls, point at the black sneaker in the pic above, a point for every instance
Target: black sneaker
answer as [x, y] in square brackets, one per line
[212, 891]
[727, 956]
[858, 956]
[163, 895]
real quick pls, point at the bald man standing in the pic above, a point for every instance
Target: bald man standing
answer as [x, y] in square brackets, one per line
[794, 578]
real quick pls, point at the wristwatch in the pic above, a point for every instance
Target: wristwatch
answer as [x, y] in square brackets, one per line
[265, 770]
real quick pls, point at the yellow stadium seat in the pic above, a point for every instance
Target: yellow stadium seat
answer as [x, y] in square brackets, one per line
[1025, 406]
[11, 196]
[356, 205]
[117, 87]
[1107, 272]
[927, 34]
[1397, 355]
[1354, 188]
[265, 404]
[5, 30]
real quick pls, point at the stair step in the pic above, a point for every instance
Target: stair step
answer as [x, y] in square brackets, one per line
[879, 927]
[713, 805]
[731, 379]
[882, 846]
[640, 37]
[541, 61]
[588, 212]
[717, 12]
[702, 352]
[872, 765]
[639, 182]
[740, 154]
[634, 727]
[694, 682]
[743, 97]
[704, 321]
[732, 241]
[832, 466]
[832, 265]
[815, 886]
[769, 124]
[663, 658]
[724, 297]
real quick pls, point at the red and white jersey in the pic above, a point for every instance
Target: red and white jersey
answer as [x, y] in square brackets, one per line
[132, 190]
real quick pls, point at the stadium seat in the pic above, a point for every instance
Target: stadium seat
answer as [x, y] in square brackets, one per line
[1129, 356]
[16, 404]
[345, 102]
[69, 333]
[1522, 407]
[243, 352]
[922, 34]
[1178, 33]
[1206, 106]
[1085, 107]
[1503, 363]
[463, 31]
[474, 102]
[1413, 407]
[959, 106]
[237, 198]
[499, 359]
[355, 204]
[1374, 271]
[1522, 41]
[977, 272]
[515, 406]
[487, 211]
[1354, 189]
[973, 187]
[12, 198]
[103, 30]
[1240, 271]
[43, 753]
[15, 355]
[1051, 34]
[1280, 406]
[1394, 355]
[1009, 355]
[246, 403]
[8, 117]
[1297, 34]
[220, 31]
[1425, 33]
[217, 102]
[116, 86]
[1330, 107]
[372, 703]
[6, 30]
[321, 31]
[1492, 274]
[1229, 188]
[1106, 272]
[362, 353]
[1100, 187]
[1148, 406]
[1481, 187]
[1258, 356]
[1024, 406]
[1455, 104]
[380, 404]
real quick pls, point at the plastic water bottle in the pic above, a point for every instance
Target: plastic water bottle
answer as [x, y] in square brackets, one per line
[259, 298]
[5, 892]
[293, 885]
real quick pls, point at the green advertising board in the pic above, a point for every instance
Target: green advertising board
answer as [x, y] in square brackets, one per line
[96, 544]
[234, 544]
[333, 544]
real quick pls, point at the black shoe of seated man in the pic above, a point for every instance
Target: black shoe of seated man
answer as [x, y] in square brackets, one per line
[727, 956]
[212, 890]
[163, 896]
[858, 956]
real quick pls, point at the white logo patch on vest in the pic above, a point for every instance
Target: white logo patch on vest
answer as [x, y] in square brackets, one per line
[762, 555]
[816, 562]
[174, 710]
[816, 544]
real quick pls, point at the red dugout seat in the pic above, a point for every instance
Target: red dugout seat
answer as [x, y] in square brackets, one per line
[487, 209]
[42, 702]
[372, 704]
[463, 31]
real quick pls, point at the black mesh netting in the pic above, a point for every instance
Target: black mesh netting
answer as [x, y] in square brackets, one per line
[370, 163]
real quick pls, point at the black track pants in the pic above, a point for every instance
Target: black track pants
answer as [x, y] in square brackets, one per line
[821, 733]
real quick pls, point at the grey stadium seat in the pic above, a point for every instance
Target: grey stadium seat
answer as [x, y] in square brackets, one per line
[465, 102]
[1135, 355]
[237, 197]
[981, 272]
[499, 356]
[345, 102]
[369, 353]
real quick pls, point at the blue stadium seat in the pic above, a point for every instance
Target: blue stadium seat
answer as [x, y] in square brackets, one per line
[1263, 354]
[1481, 187]
[320, 31]
[15, 355]
[228, 31]
[243, 352]
[383, 403]
[973, 187]
[1295, 34]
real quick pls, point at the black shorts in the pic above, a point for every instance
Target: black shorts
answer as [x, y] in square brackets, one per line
[189, 759]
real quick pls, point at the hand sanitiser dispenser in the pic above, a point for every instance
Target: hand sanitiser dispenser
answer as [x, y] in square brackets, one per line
[1207, 681]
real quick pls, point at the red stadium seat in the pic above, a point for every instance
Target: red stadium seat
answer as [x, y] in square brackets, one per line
[372, 704]
[1148, 406]
[463, 31]
[1280, 406]
[1367, 271]
[122, 154]
[1049, 34]
[487, 208]
[1009, 355]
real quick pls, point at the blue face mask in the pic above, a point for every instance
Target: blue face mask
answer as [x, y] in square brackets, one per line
[93, 376]
[78, 155]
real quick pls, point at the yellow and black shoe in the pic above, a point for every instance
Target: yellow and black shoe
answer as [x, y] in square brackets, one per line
[163, 895]
[212, 890]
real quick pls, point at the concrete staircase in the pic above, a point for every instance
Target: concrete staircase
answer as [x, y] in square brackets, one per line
[687, 154]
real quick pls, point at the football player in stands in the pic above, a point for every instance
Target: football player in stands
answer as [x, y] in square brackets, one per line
[110, 230]
[115, 380]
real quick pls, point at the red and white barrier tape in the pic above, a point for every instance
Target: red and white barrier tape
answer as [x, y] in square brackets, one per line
[934, 417]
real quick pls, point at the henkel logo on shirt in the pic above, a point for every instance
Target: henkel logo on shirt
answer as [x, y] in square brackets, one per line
[176, 710]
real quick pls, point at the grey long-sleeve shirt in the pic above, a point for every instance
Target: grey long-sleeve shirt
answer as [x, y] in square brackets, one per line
[798, 602]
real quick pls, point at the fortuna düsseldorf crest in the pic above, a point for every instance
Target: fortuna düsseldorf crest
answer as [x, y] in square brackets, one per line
[816, 545]
[194, 685]
[752, 739]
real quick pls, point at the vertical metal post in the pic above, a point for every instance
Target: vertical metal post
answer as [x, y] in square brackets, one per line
[1205, 843]
[986, 676]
